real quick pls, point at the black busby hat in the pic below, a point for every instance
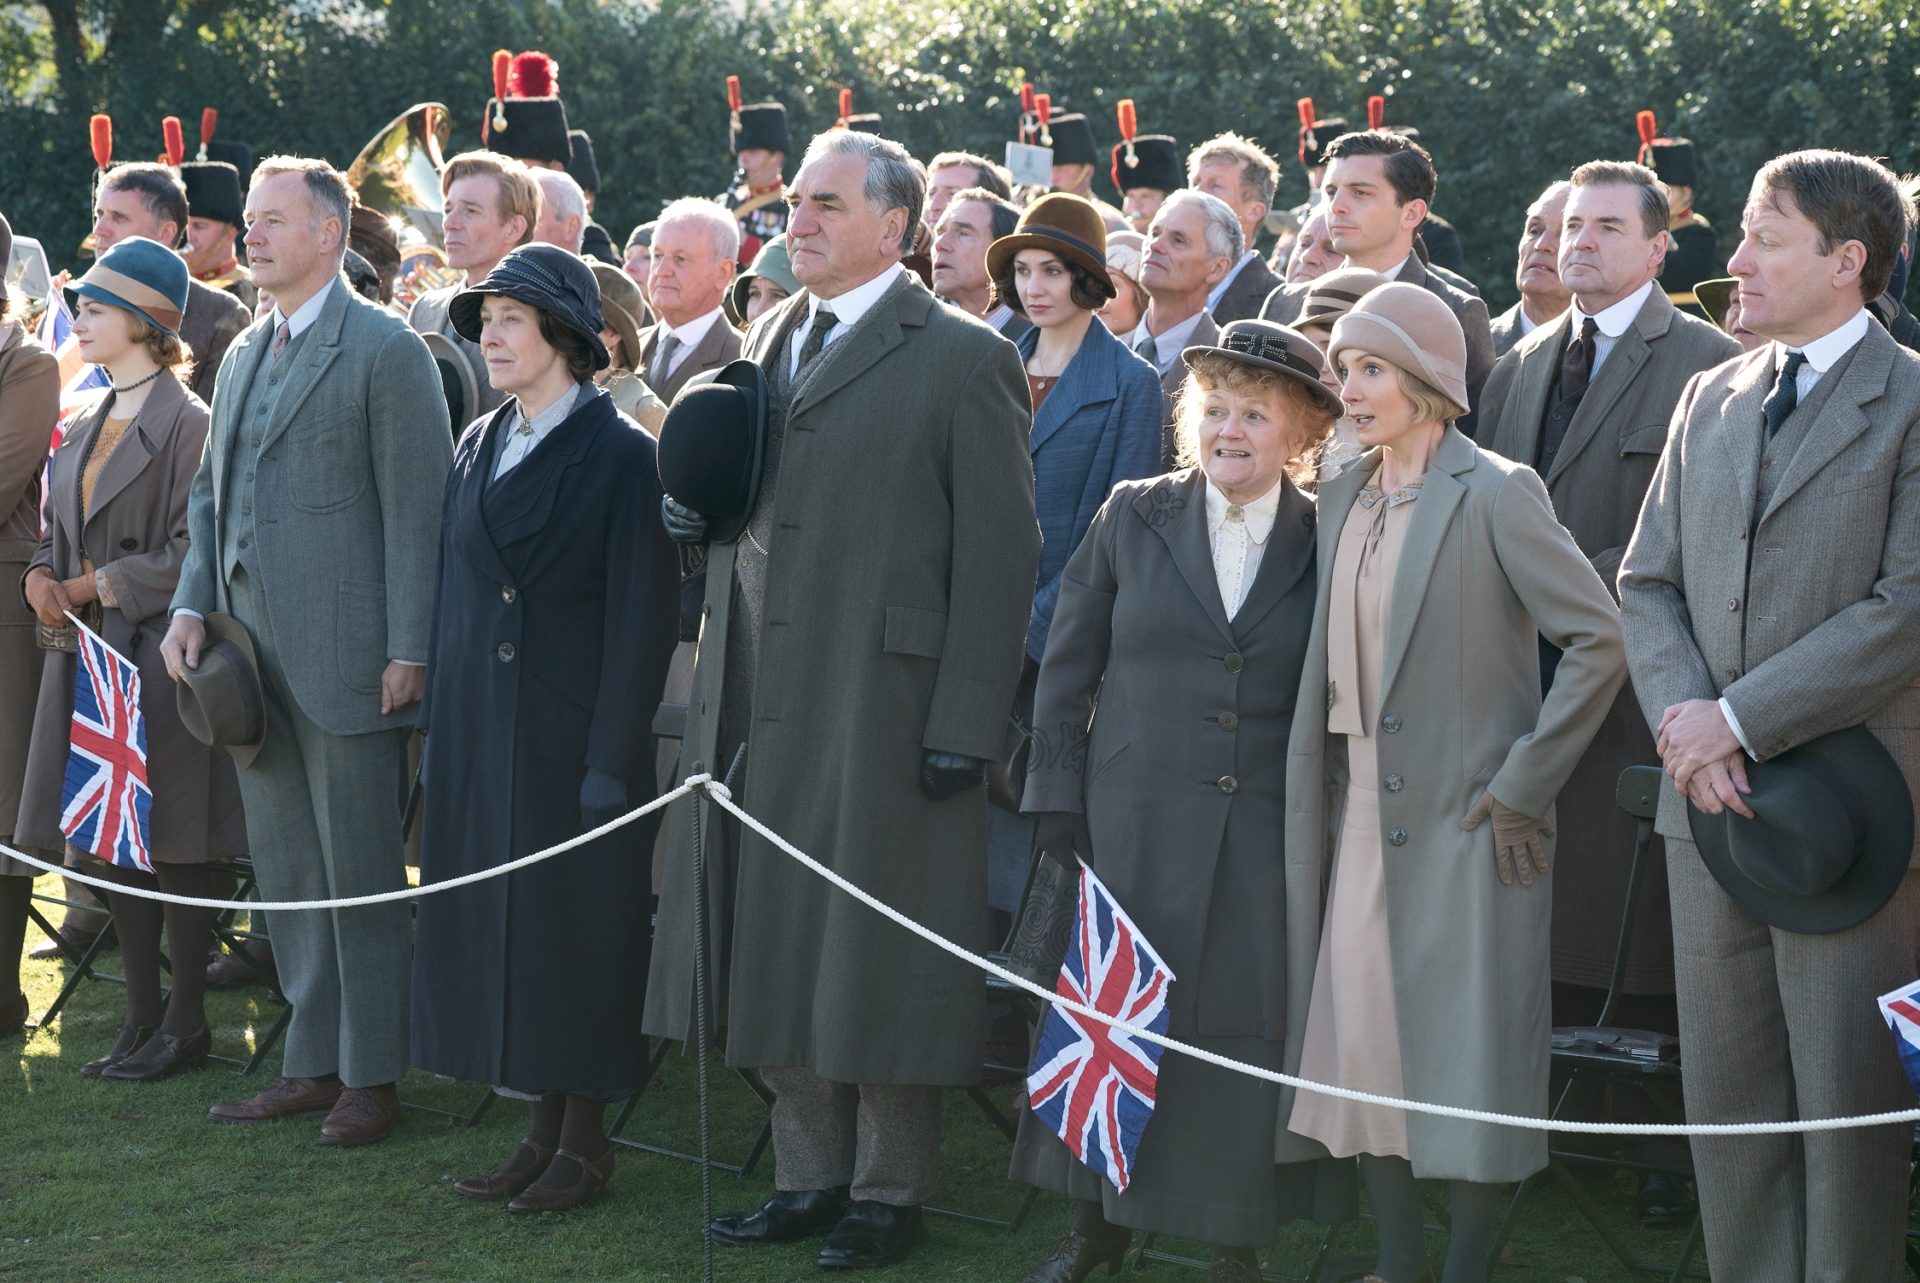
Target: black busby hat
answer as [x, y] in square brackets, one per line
[1316, 135]
[1073, 140]
[1830, 840]
[713, 448]
[214, 191]
[525, 118]
[582, 167]
[1673, 159]
[1149, 160]
[761, 125]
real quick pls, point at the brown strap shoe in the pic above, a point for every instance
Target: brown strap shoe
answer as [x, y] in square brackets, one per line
[362, 1116]
[283, 1098]
[542, 1197]
[522, 1168]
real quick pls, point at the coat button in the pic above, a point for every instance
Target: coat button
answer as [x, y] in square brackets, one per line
[128, 545]
[1233, 663]
[1396, 837]
[1733, 674]
[1394, 783]
[1733, 605]
[507, 594]
[1228, 784]
[1766, 463]
[505, 652]
[1229, 721]
[1390, 723]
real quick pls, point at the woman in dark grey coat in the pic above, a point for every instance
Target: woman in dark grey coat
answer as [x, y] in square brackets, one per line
[1164, 705]
[554, 617]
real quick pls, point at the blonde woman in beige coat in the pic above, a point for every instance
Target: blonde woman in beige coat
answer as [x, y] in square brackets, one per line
[1423, 800]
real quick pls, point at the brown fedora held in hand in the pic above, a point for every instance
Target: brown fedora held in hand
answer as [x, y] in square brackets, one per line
[222, 703]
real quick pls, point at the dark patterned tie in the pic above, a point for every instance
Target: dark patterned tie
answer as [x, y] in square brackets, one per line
[281, 337]
[1785, 395]
[1576, 371]
[823, 321]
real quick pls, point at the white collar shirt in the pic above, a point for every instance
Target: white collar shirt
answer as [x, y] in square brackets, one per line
[303, 316]
[1167, 344]
[847, 308]
[1238, 535]
[519, 444]
[691, 335]
[1609, 324]
[1824, 352]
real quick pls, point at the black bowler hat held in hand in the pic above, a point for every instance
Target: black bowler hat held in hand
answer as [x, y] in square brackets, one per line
[221, 702]
[713, 448]
[1830, 840]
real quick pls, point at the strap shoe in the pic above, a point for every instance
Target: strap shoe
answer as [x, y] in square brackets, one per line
[162, 1056]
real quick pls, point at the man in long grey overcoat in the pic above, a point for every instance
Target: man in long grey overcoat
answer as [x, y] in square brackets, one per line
[1771, 595]
[863, 640]
[315, 521]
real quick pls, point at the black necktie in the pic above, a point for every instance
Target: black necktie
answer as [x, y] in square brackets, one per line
[1785, 395]
[823, 320]
[1576, 370]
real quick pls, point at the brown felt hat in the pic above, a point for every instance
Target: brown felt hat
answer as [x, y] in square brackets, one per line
[222, 703]
[1332, 296]
[622, 307]
[1060, 223]
[1414, 330]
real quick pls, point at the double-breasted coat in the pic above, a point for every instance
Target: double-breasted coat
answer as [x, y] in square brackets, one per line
[899, 583]
[29, 409]
[1486, 570]
[554, 618]
[1597, 482]
[135, 535]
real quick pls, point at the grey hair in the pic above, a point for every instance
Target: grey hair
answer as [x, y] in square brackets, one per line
[1224, 237]
[895, 180]
[563, 193]
[722, 226]
[327, 190]
[1557, 188]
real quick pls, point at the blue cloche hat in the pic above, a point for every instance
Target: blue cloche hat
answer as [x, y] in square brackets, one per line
[546, 277]
[142, 276]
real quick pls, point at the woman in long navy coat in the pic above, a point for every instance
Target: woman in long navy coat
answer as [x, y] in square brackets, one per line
[554, 618]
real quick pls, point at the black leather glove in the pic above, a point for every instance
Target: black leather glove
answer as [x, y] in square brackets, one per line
[945, 775]
[684, 525]
[602, 798]
[1063, 834]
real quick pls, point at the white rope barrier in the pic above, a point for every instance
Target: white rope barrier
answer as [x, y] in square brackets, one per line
[723, 797]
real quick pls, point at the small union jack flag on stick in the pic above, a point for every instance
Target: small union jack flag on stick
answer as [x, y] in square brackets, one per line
[1901, 1010]
[1093, 1084]
[105, 804]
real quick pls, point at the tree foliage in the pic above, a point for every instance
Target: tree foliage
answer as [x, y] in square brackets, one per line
[1508, 94]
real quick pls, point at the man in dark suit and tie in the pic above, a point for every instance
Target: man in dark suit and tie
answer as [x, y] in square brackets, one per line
[314, 520]
[1771, 596]
[695, 247]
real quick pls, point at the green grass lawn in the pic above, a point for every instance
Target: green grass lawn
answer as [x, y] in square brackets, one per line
[103, 1181]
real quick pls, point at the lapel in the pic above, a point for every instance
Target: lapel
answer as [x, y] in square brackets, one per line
[126, 463]
[320, 350]
[250, 353]
[1630, 352]
[1288, 555]
[1862, 375]
[469, 491]
[1533, 385]
[522, 504]
[875, 334]
[63, 470]
[1740, 431]
[1089, 379]
[1175, 508]
[1432, 514]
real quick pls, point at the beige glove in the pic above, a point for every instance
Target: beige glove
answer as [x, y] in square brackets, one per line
[1519, 841]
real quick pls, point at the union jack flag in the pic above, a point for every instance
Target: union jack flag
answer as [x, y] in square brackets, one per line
[1094, 1085]
[1901, 1010]
[105, 804]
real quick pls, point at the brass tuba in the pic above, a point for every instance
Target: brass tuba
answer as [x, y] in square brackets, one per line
[397, 175]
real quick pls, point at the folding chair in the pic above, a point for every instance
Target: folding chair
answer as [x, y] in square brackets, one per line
[1623, 1057]
[81, 960]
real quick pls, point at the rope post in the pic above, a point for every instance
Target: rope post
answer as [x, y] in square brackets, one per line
[700, 1016]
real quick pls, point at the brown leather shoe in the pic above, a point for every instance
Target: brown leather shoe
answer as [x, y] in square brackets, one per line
[283, 1098]
[231, 971]
[13, 1016]
[544, 1198]
[362, 1116]
[76, 945]
[522, 1168]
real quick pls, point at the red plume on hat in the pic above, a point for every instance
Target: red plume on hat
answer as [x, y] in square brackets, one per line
[1129, 127]
[1029, 112]
[1043, 112]
[209, 118]
[1307, 143]
[734, 102]
[100, 133]
[174, 140]
[1644, 122]
[502, 65]
[533, 75]
[846, 108]
[1377, 112]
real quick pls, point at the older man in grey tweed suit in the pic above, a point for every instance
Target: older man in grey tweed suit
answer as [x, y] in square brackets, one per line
[315, 521]
[1771, 595]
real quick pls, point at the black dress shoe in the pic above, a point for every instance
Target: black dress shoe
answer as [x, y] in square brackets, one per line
[1078, 1255]
[790, 1215]
[137, 1040]
[871, 1235]
[162, 1056]
[1665, 1199]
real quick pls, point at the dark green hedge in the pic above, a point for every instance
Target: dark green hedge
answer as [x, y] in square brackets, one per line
[1507, 93]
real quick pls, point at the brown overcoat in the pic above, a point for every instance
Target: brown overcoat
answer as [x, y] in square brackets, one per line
[136, 535]
[899, 582]
[29, 407]
[1597, 481]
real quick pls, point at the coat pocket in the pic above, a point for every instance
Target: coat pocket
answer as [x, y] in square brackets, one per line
[1649, 438]
[911, 630]
[326, 462]
[360, 634]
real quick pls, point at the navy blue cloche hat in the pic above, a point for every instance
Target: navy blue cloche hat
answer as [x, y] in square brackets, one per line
[142, 276]
[544, 277]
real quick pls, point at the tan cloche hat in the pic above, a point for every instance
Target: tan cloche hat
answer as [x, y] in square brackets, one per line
[1414, 330]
